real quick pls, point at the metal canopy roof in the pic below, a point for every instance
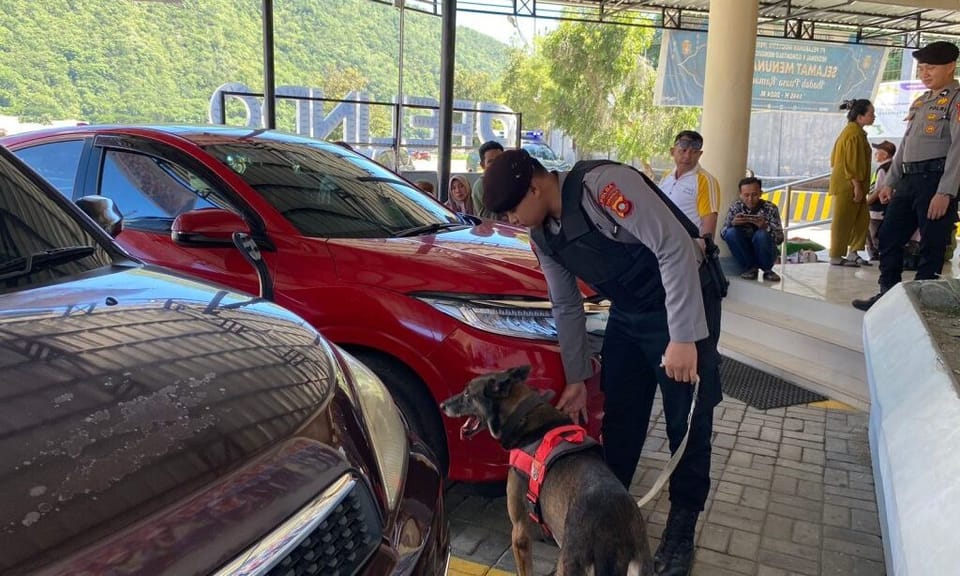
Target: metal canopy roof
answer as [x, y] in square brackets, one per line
[906, 23]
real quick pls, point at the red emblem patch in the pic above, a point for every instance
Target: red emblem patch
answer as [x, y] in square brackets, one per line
[613, 198]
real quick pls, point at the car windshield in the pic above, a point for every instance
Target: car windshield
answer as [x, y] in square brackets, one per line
[541, 151]
[40, 241]
[326, 191]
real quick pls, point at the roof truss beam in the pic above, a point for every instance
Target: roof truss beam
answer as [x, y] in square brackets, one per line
[814, 20]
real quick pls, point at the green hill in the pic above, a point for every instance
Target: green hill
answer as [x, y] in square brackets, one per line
[127, 61]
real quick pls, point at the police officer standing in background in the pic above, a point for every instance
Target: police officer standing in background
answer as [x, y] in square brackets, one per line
[924, 178]
[614, 231]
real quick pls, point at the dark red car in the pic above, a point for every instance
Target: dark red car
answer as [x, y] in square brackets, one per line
[152, 424]
[425, 298]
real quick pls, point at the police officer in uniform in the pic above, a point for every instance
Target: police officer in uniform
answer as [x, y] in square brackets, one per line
[924, 177]
[616, 233]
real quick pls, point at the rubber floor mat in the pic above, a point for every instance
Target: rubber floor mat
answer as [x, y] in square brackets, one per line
[759, 389]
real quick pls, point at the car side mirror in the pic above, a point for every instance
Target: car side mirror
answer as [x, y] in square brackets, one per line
[215, 227]
[209, 227]
[104, 212]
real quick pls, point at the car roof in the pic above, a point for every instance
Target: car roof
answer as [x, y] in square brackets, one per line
[202, 133]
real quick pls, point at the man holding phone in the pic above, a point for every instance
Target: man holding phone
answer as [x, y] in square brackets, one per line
[753, 231]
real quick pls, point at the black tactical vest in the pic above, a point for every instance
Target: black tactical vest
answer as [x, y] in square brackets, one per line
[627, 274]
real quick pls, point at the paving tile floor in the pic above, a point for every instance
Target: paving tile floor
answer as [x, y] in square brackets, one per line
[792, 494]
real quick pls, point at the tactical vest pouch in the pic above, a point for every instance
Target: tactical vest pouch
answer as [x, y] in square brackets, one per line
[712, 270]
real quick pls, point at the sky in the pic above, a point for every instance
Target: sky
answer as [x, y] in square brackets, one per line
[500, 27]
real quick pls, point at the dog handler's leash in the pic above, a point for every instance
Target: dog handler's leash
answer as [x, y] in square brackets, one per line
[675, 459]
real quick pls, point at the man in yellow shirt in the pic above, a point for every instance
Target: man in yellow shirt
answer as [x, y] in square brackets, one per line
[694, 190]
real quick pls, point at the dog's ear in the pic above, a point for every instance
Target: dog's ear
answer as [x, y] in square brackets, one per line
[503, 381]
[519, 374]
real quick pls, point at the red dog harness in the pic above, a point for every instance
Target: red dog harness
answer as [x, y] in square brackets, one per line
[534, 460]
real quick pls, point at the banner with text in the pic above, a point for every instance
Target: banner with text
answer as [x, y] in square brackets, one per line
[892, 105]
[793, 75]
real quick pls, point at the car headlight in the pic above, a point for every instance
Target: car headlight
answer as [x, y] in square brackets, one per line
[531, 319]
[388, 435]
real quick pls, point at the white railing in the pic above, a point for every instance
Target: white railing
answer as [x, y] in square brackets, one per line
[787, 209]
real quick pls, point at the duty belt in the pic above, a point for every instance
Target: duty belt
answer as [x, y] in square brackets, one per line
[925, 166]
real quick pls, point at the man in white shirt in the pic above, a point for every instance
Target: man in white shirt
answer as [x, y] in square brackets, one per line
[694, 190]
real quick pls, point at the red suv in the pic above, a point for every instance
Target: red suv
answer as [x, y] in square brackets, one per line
[425, 297]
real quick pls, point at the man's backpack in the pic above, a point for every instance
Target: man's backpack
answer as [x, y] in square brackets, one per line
[711, 264]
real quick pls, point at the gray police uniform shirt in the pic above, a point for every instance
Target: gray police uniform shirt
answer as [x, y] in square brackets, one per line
[933, 131]
[640, 216]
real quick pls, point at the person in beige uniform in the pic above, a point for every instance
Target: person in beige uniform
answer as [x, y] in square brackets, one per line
[608, 225]
[924, 178]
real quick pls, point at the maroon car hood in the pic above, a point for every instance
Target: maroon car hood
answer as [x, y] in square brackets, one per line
[485, 259]
[126, 393]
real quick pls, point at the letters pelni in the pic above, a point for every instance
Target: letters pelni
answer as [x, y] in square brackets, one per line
[349, 119]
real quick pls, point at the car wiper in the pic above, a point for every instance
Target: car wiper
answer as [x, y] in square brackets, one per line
[428, 229]
[381, 179]
[26, 265]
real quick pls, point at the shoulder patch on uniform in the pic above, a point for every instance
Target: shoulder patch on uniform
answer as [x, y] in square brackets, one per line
[612, 197]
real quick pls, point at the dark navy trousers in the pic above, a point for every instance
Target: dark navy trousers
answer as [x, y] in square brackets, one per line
[906, 212]
[632, 349]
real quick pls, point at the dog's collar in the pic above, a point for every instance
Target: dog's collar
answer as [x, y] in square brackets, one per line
[513, 433]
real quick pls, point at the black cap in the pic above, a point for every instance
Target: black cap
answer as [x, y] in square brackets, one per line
[507, 179]
[937, 53]
[688, 135]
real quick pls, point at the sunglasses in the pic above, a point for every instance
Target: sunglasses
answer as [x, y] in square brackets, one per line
[688, 144]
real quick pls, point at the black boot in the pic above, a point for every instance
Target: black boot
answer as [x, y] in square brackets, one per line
[674, 556]
[866, 303]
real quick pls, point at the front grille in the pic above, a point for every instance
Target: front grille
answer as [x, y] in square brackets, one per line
[333, 535]
[340, 544]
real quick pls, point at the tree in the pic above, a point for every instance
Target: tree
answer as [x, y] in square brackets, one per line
[105, 61]
[474, 85]
[642, 130]
[526, 87]
[592, 81]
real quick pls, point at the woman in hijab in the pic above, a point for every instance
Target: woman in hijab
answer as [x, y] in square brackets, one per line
[459, 200]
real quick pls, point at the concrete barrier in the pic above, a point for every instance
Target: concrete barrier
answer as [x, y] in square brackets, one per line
[914, 430]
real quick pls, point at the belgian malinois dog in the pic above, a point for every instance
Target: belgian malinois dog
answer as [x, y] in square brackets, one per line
[593, 518]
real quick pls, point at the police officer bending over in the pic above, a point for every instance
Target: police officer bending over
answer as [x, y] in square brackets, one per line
[615, 232]
[924, 177]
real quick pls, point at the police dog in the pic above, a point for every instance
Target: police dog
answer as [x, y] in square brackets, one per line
[590, 514]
